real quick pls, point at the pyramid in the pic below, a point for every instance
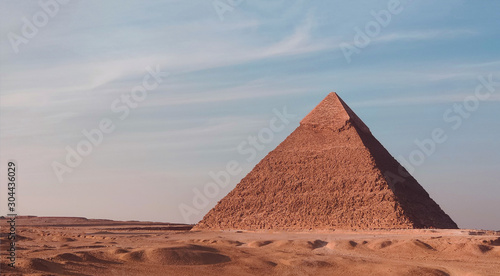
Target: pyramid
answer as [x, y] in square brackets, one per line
[330, 173]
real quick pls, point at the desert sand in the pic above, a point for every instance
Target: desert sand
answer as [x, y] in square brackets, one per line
[78, 246]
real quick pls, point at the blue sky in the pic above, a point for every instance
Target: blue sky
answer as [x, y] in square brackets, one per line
[227, 70]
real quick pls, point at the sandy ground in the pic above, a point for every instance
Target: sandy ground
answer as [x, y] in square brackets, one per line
[75, 246]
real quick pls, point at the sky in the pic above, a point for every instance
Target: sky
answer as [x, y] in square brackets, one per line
[126, 109]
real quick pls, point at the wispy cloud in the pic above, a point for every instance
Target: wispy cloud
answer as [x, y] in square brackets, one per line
[424, 35]
[421, 100]
[300, 41]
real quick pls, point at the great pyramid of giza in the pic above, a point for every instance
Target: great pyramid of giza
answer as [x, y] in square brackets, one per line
[330, 173]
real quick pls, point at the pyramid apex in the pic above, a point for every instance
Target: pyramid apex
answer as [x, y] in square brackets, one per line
[333, 95]
[332, 112]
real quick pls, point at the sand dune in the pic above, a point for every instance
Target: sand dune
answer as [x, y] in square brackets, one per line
[182, 255]
[104, 249]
